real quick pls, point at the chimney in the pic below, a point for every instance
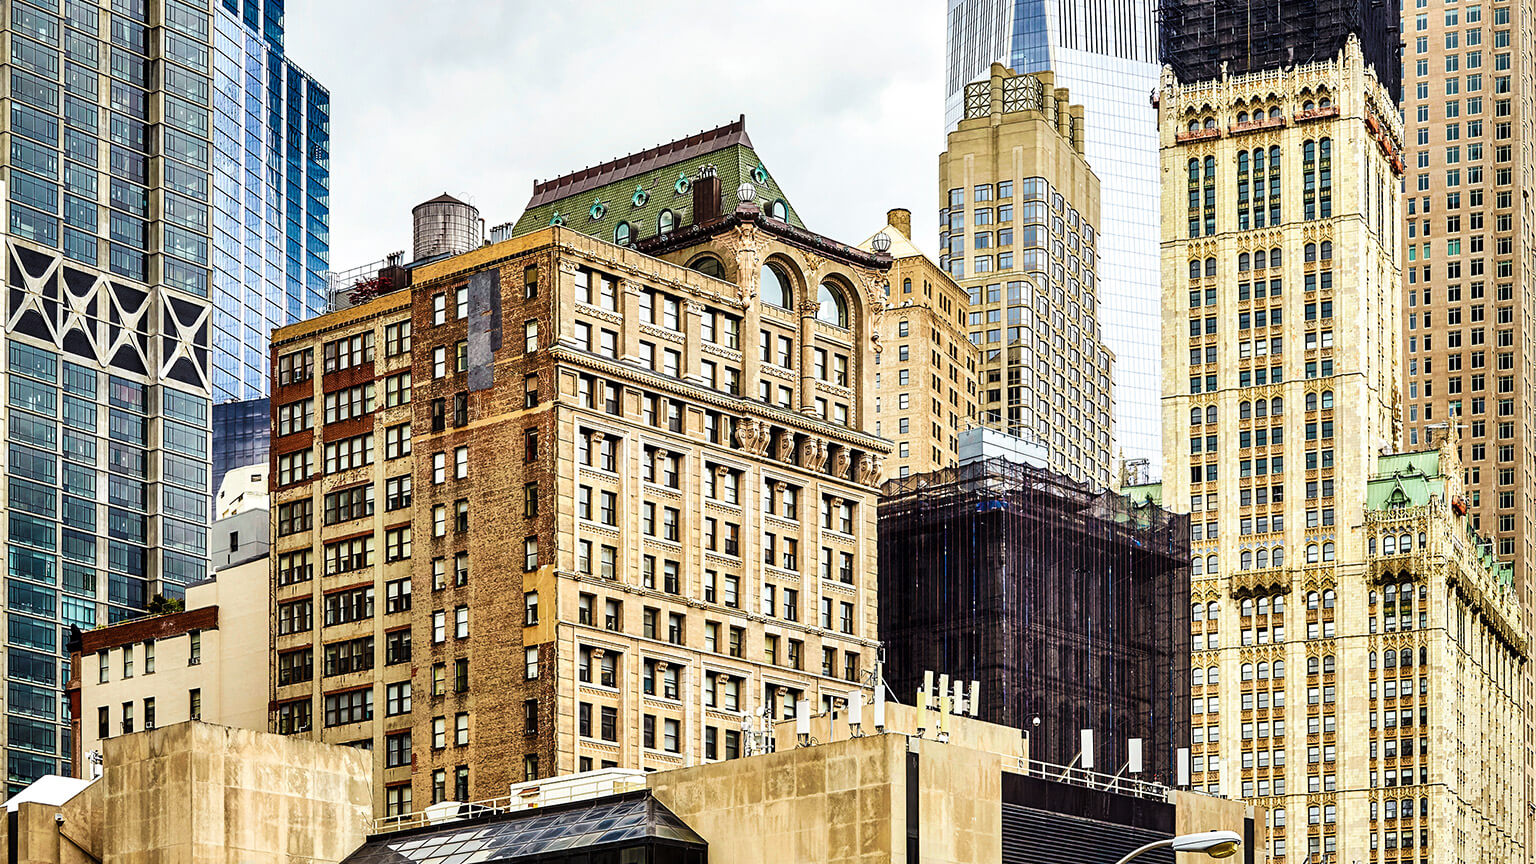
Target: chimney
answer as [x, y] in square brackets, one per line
[706, 196]
[900, 219]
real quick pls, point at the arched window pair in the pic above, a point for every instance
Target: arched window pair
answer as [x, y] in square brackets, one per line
[832, 307]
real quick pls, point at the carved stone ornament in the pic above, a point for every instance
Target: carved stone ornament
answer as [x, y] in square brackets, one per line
[568, 266]
[840, 462]
[813, 454]
[870, 467]
[786, 446]
[752, 434]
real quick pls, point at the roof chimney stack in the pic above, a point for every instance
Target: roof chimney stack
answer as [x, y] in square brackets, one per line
[900, 219]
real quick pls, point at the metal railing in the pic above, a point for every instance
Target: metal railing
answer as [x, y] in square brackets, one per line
[524, 796]
[1074, 776]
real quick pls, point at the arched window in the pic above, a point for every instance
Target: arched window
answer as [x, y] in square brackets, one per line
[1324, 102]
[1311, 595]
[1211, 566]
[1245, 562]
[1325, 250]
[1263, 671]
[1246, 671]
[1261, 408]
[1242, 116]
[1194, 269]
[1244, 262]
[1309, 252]
[1328, 595]
[1197, 676]
[1274, 112]
[666, 222]
[1276, 407]
[1261, 561]
[1263, 605]
[1405, 658]
[1372, 661]
[775, 287]
[1311, 665]
[1212, 611]
[1388, 544]
[1423, 655]
[622, 234]
[1210, 123]
[1328, 551]
[1307, 105]
[1274, 257]
[709, 265]
[1194, 416]
[1391, 594]
[1327, 664]
[1210, 413]
[1389, 659]
[1312, 559]
[1244, 410]
[778, 210]
[1197, 611]
[1277, 559]
[1279, 668]
[1210, 267]
[1311, 401]
[1405, 544]
[1373, 598]
[1258, 260]
[1197, 568]
[832, 307]
[1245, 607]
[1327, 399]
[1194, 126]
[1421, 539]
[1213, 675]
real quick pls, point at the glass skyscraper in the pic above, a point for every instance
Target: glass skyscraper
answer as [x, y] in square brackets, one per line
[271, 182]
[108, 187]
[1105, 53]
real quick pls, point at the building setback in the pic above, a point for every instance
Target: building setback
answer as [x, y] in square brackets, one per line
[1105, 53]
[926, 375]
[1019, 235]
[594, 548]
[1064, 604]
[1281, 344]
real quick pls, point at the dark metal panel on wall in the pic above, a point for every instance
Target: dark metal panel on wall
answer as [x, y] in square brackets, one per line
[1033, 836]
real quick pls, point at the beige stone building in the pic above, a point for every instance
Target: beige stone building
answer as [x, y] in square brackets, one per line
[925, 378]
[341, 472]
[207, 663]
[1281, 350]
[1021, 208]
[200, 794]
[608, 549]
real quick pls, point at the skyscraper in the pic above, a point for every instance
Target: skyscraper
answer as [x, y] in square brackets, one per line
[1020, 226]
[1105, 54]
[1357, 649]
[107, 332]
[271, 237]
[1467, 289]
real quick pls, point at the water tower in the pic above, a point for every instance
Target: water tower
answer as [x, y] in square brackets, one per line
[445, 225]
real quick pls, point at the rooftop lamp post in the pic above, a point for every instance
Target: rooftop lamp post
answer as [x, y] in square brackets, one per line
[1217, 844]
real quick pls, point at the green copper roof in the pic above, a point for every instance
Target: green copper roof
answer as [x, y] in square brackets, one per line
[636, 189]
[1405, 480]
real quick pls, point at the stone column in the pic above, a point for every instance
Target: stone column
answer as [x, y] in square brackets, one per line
[808, 354]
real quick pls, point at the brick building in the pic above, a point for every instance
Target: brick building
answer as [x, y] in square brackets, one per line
[594, 548]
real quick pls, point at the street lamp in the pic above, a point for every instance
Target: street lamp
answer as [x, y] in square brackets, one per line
[1217, 844]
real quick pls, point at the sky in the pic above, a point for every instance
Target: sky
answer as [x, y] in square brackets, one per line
[843, 98]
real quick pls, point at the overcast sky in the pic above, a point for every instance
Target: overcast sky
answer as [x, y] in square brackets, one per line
[844, 101]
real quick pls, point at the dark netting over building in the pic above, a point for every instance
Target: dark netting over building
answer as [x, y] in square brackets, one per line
[1200, 37]
[1065, 604]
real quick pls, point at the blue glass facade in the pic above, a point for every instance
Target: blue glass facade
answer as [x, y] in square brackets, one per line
[271, 233]
[1105, 53]
[241, 436]
[106, 354]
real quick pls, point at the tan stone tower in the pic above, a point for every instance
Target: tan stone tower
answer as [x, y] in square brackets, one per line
[1019, 222]
[1316, 557]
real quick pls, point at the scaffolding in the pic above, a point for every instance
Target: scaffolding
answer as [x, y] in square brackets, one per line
[1201, 39]
[1067, 605]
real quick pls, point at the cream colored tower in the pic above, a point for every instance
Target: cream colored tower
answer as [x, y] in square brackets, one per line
[1280, 341]
[1018, 233]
